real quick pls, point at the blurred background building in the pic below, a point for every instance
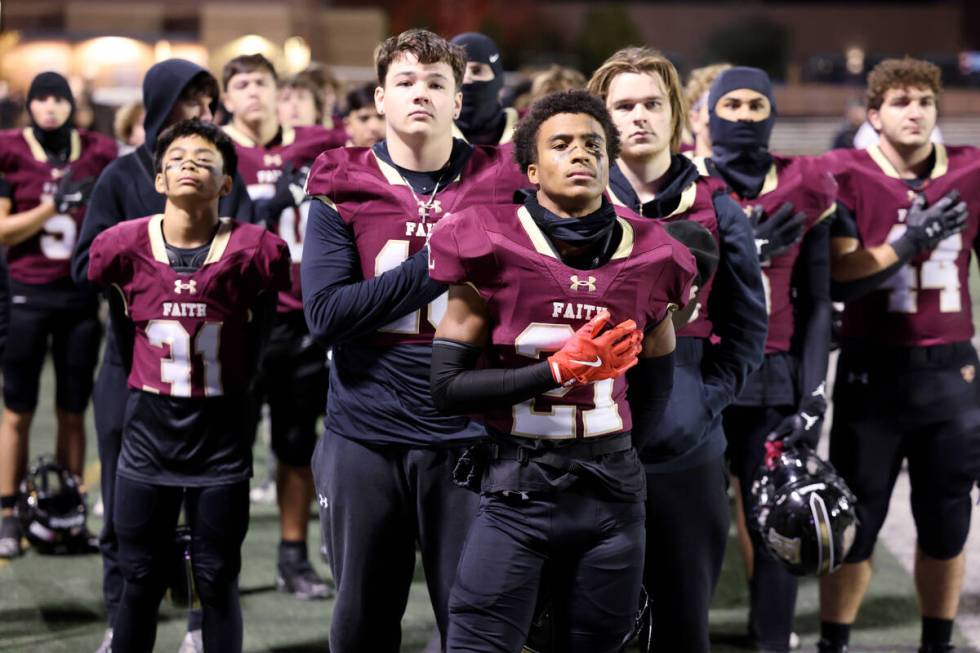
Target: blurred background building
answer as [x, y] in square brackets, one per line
[818, 51]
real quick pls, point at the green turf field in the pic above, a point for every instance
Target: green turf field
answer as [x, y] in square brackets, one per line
[50, 604]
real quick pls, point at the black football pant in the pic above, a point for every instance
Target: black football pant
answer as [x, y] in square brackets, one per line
[772, 589]
[109, 405]
[686, 532]
[593, 548]
[920, 404]
[376, 503]
[146, 519]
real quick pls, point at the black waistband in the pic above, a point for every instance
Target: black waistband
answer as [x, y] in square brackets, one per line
[932, 356]
[579, 450]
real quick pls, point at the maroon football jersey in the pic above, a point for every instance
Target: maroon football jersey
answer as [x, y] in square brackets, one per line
[695, 205]
[535, 303]
[927, 302]
[261, 167]
[191, 329]
[45, 256]
[806, 183]
[387, 222]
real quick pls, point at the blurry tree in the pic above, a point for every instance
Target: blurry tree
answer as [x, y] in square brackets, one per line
[752, 41]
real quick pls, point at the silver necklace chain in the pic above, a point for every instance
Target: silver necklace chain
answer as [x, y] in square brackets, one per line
[423, 207]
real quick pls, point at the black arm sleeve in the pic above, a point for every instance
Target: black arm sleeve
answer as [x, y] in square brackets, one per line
[122, 327]
[104, 210]
[4, 304]
[459, 389]
[260, 327]
[339, 303]
[737, 307]
[650, 384]
[844, 226]
[814, 308]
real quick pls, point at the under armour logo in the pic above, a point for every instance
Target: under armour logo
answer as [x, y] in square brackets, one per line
[809, 421]
[759, 244]
[322, 500]
[272, 161]
[432, 205]
[589, 283]
[180, 286]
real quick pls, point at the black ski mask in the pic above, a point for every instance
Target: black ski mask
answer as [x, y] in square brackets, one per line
[56, 142]
[740, 149]
[481, 111]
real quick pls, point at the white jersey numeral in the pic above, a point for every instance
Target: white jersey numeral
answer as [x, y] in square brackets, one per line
[292, 233]
[58, 237]
[559, 421]
[393, 254]
[938, 272]
[176, 368]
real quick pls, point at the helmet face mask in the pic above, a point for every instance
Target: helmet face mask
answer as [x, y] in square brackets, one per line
[52, 509]
[803, 512]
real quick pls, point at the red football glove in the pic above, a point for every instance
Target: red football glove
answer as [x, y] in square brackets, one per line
[593, 355]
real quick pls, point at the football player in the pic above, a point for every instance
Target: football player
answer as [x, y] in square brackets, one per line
[382, 467]
[48, 170]
[173, 90]
[300, 102]
[906, 384]
[192, 295]
[563, 485]
[364, 125]
[482, 120]
[272, 160]
[783, 198]
[687, 503]
[696, 94]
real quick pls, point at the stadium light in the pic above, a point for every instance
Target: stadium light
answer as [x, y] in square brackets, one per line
[297, 53]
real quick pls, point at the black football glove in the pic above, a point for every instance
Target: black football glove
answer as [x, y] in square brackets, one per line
[927, 227]
[71, 194]
[290, 188]
[777, 233]
[803, 426]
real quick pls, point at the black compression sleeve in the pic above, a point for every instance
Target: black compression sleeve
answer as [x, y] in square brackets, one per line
[458, 389]
[650, 384]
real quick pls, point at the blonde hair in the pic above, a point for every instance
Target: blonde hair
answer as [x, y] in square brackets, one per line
[556, 79]
[700, 81]
[125, 120]
[641, 60]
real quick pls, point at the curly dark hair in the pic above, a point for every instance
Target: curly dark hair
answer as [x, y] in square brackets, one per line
[209, 132]
[902, 73]
[526, 134]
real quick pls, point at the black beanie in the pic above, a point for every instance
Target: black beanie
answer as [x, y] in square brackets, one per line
[56, 142]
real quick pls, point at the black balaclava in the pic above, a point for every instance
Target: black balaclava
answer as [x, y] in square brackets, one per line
[56, 142]
[481, 111]
[740, 149]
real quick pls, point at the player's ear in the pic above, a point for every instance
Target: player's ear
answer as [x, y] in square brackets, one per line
[160, 184]
[226, 184]
[457, 104]
[532, 173]
[379, 99]
[875, 119]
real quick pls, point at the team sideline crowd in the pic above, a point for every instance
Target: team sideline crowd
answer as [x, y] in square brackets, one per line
[544, 341]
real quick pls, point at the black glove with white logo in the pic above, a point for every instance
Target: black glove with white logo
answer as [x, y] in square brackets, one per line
[778, 232]
[71, 194]
[803, 426]
[290, 188]
[927, 227]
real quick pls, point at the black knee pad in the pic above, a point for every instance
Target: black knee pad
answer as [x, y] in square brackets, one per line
[942, 525]
[295, 446]
[214, 575]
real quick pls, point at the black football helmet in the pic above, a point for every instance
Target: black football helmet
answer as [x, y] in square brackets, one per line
[802, 510]
[52, 509]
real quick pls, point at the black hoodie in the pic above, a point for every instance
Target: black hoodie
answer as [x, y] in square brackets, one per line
[125, 189]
